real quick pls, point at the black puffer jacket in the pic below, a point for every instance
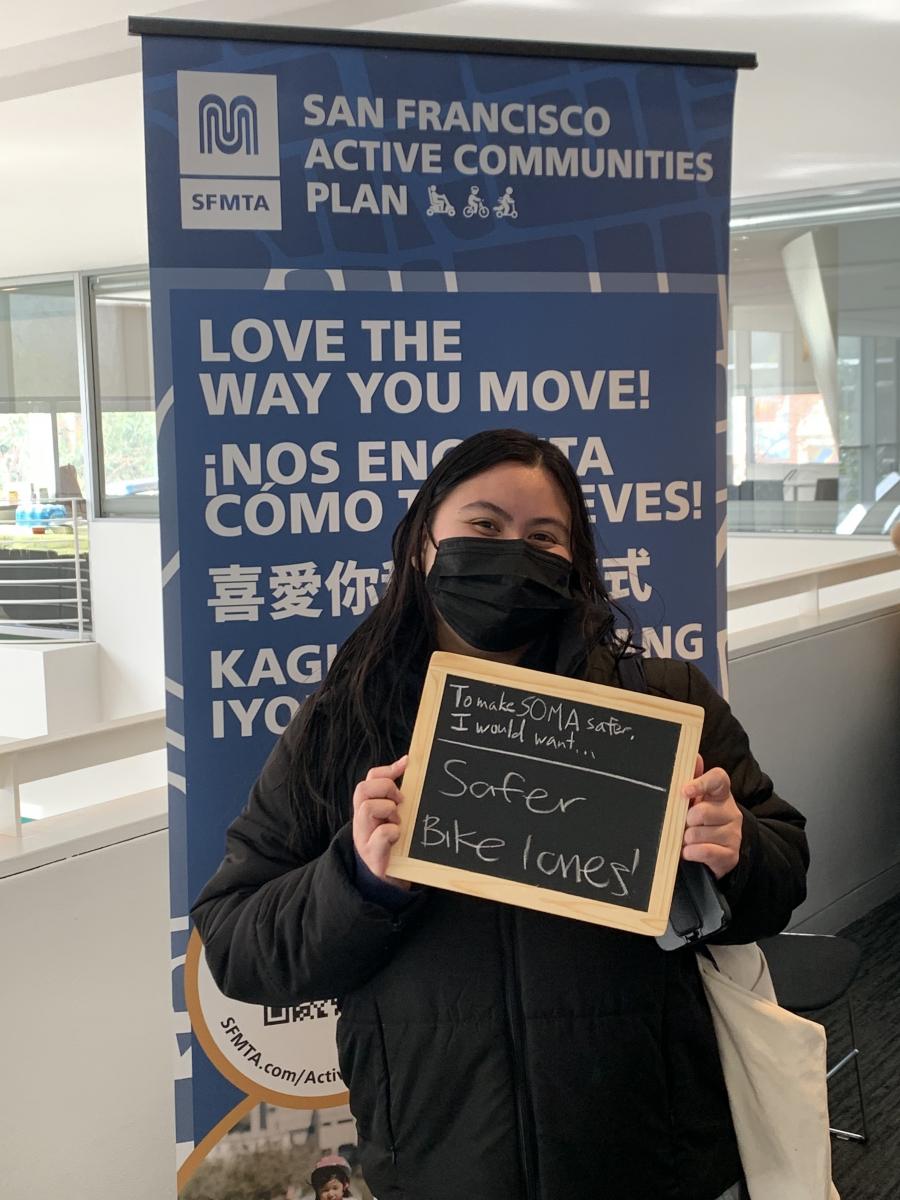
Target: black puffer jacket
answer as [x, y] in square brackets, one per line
[491, 1051]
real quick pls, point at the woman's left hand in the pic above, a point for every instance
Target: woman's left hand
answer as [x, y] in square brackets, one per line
[714, 821]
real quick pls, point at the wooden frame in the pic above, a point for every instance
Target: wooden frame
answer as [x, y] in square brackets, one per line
[651, 921]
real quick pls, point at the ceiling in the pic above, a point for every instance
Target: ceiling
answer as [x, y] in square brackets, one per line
[819, 113]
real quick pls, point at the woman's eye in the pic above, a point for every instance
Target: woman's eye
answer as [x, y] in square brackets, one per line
[542, 536]
[485, 523]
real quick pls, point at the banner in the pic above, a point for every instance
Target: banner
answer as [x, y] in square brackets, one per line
[364, 248]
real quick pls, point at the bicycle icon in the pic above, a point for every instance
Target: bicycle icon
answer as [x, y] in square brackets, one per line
[475, 206]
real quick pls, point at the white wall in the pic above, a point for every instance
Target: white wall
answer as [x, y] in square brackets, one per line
[752, 557]
[822, 716]
[93, 785]
[86, 1104]
[48, 689]
[126, 598]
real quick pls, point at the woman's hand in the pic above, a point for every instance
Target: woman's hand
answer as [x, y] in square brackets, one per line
[714, 821]
[376, 819]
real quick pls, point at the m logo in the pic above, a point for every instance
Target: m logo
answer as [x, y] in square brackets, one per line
[228, 127]
[228, 151]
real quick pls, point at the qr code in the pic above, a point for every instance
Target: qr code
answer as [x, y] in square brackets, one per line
[312, 1011]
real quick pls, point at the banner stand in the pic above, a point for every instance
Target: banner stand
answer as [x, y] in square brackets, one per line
[363, 248]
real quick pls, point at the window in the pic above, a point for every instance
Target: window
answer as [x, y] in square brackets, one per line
[45, 449]
[814, 383]
[41, 431]
[120, 320]
[44, 590]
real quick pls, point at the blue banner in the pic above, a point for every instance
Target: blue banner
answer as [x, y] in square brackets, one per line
[359, 256]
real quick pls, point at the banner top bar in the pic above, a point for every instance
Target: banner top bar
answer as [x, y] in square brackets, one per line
[238, 31]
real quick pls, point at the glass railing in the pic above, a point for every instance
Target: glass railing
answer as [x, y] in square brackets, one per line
[45, 592]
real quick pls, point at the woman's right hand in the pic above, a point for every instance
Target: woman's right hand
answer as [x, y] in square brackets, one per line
[376, 819]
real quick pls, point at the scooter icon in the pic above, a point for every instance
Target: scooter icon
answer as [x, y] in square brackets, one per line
[506, 206]
[438, 203]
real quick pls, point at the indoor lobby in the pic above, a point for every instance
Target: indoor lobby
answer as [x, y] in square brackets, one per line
[97, 1058]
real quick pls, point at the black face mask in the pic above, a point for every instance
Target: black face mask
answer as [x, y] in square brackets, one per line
[498, 593]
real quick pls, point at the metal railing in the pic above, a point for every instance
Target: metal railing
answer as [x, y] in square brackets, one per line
[53, 560]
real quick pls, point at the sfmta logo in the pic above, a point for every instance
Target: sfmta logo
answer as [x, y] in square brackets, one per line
[228, 127]
[229, 158]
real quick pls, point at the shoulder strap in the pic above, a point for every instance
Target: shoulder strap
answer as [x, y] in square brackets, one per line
[630, 670]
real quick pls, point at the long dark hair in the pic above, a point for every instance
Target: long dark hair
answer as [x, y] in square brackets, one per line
[368, 700]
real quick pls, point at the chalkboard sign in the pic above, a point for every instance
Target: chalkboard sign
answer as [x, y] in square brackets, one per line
[547, 792]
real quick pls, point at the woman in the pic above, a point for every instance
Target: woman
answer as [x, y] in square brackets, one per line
[480, 1040]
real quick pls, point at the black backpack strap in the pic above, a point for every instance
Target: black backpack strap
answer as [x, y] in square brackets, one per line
[630, 670]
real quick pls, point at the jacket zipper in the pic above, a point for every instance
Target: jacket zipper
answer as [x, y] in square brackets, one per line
[515, 1017]
[387, 1087]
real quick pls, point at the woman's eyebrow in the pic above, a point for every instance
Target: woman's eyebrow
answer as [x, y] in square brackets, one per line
[563, 525]
[494, 508]
[501, 512]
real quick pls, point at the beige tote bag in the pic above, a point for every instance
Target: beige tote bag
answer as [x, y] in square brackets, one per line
[774, 1067]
